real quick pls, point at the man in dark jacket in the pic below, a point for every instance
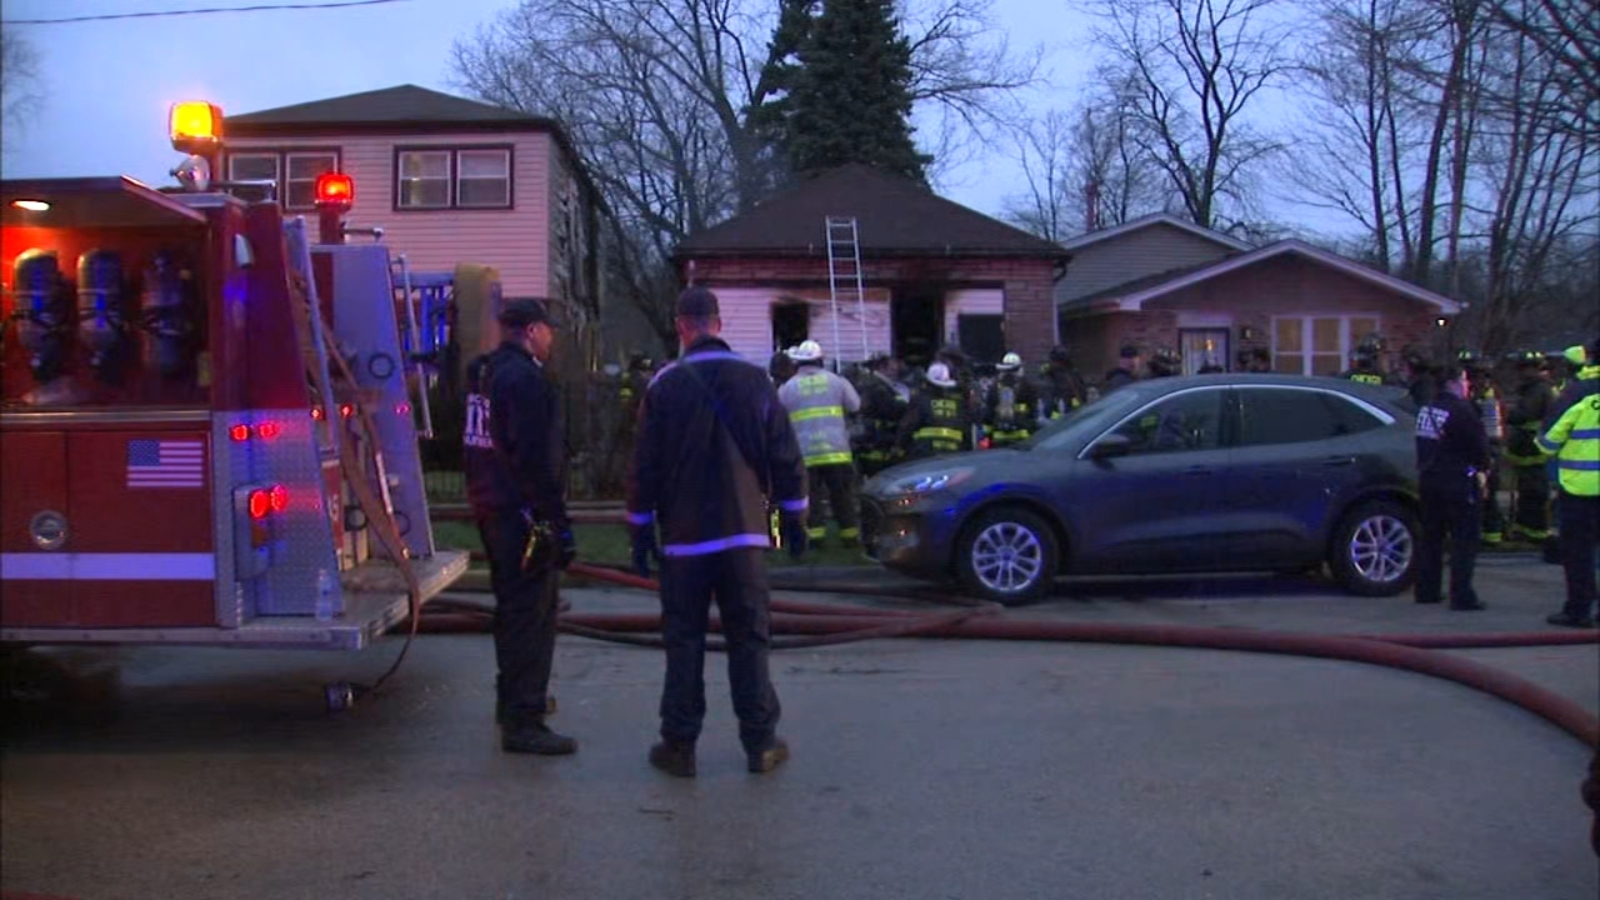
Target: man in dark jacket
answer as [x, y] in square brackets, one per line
[514, 457]
[1452, 472]
[1525, 415]
[715, 449]
[1127, 370]
[884, 401]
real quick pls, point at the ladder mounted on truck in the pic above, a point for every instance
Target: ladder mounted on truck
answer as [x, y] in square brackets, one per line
[844, 278]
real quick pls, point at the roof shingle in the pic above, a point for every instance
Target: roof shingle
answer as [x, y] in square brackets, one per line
[895, 216]
[406, 104]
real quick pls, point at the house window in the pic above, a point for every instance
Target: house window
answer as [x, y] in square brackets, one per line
[300, 188]
[453, 178]
[294, 171]
[1317, 345]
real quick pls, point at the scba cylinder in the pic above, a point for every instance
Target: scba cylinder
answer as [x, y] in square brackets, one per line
[101, 327]
[42, 311]
[167, 317]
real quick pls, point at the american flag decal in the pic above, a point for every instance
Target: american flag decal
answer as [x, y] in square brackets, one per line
[166, 464]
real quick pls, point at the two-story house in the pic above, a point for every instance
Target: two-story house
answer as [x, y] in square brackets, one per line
[450, 181]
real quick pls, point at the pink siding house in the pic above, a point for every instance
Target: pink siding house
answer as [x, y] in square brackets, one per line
[450, 180]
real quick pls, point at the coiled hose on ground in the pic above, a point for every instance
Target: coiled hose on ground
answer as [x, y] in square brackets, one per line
[796, 625]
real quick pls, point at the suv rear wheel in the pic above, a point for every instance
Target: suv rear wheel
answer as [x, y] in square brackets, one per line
[1007, 555]
[1374, 549]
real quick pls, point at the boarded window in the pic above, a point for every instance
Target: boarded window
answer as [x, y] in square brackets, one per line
[1317, 345]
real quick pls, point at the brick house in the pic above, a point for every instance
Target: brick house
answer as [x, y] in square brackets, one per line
[1160, 281]
[935, 273]
[450, 180]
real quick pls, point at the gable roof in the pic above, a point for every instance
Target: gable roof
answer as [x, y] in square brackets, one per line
[1105, 234]
[404, 105]
[1132, 296]
[895, 216]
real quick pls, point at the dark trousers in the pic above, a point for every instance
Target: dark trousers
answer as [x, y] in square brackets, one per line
[1533, 499]
[1580, 532]
[1494, 521]
[738, 580]
[833, 490]
[1449, 508]
[525, 607]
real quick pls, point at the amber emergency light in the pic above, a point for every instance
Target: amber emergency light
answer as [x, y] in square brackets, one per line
[195, 127]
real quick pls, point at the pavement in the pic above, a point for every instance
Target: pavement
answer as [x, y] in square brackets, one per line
[921, 768]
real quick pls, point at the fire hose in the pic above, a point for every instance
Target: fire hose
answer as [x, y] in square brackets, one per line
[797, 625]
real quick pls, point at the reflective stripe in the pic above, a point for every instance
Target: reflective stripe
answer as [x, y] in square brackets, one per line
[816, 534]
[1583, 434]
[718, 545]
[848, 533]
[641, 518]
[108, 566]
[1579, 465]
[933, 432]
[816, 412]
[1546, 445]
[828, 459]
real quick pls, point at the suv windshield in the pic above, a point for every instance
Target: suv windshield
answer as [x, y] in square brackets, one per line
[1094, 417]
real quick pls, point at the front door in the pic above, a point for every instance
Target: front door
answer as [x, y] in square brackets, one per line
[1203, 348]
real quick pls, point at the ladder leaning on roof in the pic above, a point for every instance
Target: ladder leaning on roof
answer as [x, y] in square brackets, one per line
[844, 277]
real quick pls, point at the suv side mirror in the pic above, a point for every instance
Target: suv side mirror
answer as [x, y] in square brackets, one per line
[1110, 445]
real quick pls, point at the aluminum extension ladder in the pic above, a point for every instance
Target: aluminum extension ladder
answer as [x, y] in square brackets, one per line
[845, 277]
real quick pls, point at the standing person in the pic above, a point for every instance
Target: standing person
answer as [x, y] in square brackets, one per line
[1165, 363]
[1127, 370]
[818, 401]
[884, 401]
[1256, 360]
[1011, 405]
[781, 367]
[938, 420]
[1420, 380]
[1487, 402]
[1530, 406]
[514, 459]
[1063, 387]
[715, 448]
[1452, 463]
[1364, 362]
[1574, 437]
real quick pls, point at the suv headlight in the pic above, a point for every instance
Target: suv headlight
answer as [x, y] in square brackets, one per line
[929, 482]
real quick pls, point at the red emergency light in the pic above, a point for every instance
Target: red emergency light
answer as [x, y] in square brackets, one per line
[335, 189]
[279, 497]
[239, 432]
[260, 504]
[268, 430]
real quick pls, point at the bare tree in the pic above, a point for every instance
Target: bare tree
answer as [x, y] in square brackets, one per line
[20, 91]
[1568, 33]
[662, 97]
[1196, 67]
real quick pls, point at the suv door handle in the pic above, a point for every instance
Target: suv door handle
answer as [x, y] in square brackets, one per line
[1339, 461]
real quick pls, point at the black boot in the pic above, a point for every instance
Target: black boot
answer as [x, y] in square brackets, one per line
[674, 758]
[500, 708]
[1567, 620]
[770, 757]
[536, 739]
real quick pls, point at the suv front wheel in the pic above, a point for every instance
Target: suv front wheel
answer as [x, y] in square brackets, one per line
[1374, 549]
[1008, 555]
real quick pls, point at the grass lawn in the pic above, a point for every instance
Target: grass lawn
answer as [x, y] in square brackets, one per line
[608, 545]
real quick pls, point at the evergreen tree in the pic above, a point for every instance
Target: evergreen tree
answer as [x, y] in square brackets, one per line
[768, 120]
[851, 101]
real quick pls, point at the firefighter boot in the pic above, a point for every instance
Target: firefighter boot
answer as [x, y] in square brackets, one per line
[535, 738]
[769, 758]
[675, 758]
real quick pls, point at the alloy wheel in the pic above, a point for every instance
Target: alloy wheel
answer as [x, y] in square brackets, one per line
[1381, 548]
[1007, 557]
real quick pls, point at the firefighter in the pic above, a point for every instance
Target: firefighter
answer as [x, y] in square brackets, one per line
[1529, 407]
[1420, 379]
[781, 367]
[1574, 437]
[629, 394]
[938, 420]
[1486, 400]
[1452, 474]
[513, 456]
[884, 401]
[1011, 405]
[1127, 370]
[818, 402]
[1063, 386]
[1165, 363]
[715, 450]
[1364, 361]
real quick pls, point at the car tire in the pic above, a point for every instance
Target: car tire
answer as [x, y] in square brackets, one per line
[1022, 575]
[1374, 549]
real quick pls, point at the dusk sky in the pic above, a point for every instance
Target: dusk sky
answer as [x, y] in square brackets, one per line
[108, 83]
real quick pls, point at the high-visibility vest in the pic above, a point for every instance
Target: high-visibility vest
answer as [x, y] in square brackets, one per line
[1575, 440]
[816, 401]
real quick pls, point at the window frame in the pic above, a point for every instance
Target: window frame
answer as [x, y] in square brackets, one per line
[281, 155]
[286, 180]
[453, 191]
[1307, 352]
[1241, 394]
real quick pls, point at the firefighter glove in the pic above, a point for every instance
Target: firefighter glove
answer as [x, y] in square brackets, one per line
[793, 529]
[644, 549]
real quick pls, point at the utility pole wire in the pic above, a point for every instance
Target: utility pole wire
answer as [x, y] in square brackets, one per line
[198, 12]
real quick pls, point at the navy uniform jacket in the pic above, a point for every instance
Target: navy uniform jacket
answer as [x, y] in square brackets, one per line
[514, 446]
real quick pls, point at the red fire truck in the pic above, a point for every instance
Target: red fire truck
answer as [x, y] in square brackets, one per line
[207, 435]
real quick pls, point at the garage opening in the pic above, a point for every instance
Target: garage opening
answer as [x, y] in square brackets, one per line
[791, 323]
[916, 313]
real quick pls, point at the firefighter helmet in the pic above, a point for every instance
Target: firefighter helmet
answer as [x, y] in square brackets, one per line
[1165, 362]
[1527, 358]
[1060, 355]
[1371, 346]
[1472, 360]
[939, 374]
[1010, 362]
[808, 351]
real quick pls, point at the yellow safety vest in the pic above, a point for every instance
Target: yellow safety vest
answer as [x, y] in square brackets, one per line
[1575, 439]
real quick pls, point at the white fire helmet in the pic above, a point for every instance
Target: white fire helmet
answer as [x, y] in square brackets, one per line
[808, 351]
[1010, 363]
[939, 374]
